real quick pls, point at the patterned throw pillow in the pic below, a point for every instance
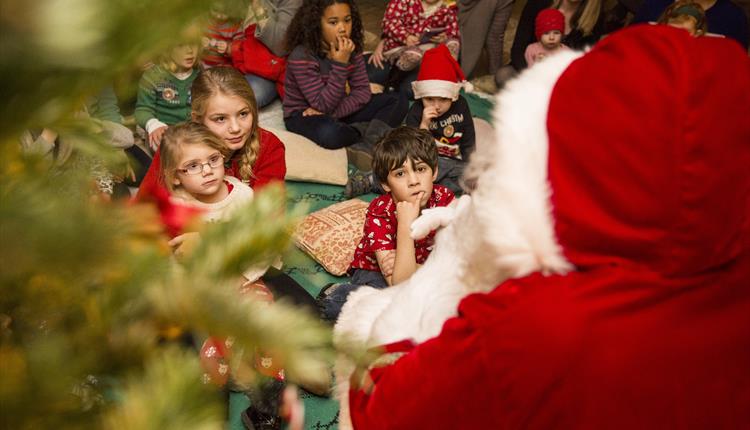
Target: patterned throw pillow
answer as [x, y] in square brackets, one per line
[330, 235]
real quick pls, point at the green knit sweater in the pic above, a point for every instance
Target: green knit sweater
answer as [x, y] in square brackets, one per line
[164, 97]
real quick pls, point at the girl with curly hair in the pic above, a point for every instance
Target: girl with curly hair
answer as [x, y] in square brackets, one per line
[327, 89]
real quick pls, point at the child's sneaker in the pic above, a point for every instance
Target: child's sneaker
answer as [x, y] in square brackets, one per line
[359, 156]
[321, 298]
[358, 183]
[326, 291]
[253, 419]
[454, 46]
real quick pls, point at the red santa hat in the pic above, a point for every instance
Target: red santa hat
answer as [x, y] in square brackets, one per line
[549, 20]
[635, 82]
[439, 75]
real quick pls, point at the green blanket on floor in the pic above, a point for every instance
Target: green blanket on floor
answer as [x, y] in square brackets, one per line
[322, 413]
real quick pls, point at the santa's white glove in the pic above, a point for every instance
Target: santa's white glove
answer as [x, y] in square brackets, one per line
[434, 218]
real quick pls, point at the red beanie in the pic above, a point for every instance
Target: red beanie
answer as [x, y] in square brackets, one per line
[439, 75]
[548, 20]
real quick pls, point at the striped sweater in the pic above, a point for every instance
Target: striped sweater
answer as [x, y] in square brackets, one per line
[334, 88]
[219, 31]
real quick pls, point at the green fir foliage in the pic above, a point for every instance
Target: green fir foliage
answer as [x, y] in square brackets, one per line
[91, 300]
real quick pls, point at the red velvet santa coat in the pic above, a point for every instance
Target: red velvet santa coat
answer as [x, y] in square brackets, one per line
[649, 149]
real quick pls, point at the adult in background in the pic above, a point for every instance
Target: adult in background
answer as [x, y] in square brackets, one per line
[584, 25]
[261, 53]
[409, 28]
[482, 24]
[723, 17]
[272, 29]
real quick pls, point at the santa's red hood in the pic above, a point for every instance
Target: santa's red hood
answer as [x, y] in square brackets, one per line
[649, 162]
[622, 155]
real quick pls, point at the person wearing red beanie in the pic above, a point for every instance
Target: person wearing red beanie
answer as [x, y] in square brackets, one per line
[549, 28]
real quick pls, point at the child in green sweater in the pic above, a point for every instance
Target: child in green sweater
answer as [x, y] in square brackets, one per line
[164, 92]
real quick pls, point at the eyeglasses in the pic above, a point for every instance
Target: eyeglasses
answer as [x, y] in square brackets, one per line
[196, 168]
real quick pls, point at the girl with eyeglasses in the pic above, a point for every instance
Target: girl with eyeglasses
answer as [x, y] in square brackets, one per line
[192, 168]
[224, 102]
[192, 165]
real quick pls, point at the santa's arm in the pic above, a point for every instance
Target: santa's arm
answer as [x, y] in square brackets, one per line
[433, 386]
[437, 217]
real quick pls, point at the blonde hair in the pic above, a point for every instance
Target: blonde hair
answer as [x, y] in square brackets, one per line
[685, 10]
[186, 133]
[230, 82]
[586, 15]
[168, 64]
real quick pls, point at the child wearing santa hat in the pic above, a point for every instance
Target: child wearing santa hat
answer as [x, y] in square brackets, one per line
[549, 29]
[440, 109]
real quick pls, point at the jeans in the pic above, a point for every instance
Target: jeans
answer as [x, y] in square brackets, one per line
[332, 133]
[265, 90]
[450, 171]
[330, 306]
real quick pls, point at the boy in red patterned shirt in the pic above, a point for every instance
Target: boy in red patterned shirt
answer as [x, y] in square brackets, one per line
[405, 163]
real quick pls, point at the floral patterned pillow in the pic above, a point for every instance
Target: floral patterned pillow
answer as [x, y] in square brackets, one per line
[330, 235]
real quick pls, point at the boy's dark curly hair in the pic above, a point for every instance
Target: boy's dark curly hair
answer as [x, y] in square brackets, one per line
[401, 144]
[305, 27]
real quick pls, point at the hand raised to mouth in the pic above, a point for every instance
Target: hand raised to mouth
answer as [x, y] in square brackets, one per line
[408, 211]
[341, 50]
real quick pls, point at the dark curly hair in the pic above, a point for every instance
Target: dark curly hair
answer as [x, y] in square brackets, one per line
[400, 144]
[305, 27]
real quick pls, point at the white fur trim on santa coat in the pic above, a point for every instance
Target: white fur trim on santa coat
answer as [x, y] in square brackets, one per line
[515, 188]
[436, 88]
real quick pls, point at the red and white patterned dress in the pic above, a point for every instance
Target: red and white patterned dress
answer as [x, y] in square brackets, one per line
[404, 17]
[381, 225]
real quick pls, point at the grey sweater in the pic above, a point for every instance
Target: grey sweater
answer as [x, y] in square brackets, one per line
[273, 31]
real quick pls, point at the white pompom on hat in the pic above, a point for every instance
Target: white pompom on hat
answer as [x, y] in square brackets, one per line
[439, 75]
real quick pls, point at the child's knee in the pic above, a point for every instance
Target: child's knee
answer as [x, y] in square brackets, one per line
[409, 59]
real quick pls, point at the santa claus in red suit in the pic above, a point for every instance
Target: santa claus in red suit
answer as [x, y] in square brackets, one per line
[614, 215]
